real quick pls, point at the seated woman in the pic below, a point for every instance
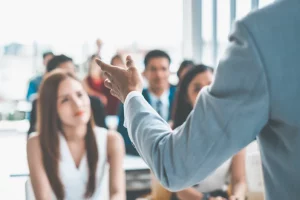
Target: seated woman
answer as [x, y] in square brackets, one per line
[66, 63]
[69, 156]
[214, 186]
[184, 67]
[113, 102]
[94, 84]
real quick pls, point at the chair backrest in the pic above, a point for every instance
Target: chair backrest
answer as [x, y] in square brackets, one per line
[29, 191]
[254, 173]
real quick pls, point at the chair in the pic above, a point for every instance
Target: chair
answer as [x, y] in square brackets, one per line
[29, 191]
[254, 173]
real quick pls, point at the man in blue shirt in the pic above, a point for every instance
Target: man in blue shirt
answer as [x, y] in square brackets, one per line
[34, 83]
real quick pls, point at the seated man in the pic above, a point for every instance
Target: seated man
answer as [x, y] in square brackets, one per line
[66, 63]
[34, 83]
[159, 93]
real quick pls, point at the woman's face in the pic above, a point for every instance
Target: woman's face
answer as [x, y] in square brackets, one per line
[73, 103]
[198, 82]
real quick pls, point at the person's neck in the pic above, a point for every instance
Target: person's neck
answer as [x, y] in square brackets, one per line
[96, 77]
[158, 92]
[75, 133]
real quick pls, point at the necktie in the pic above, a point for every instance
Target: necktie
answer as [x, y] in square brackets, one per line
[159, 107]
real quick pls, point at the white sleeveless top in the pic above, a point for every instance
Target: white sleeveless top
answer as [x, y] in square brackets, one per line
[217, 180]
[75, 179]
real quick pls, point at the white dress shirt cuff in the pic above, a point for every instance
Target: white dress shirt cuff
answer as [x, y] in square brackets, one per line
[129, 96]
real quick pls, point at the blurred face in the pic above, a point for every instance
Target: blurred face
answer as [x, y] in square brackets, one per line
[157, 73]
[47, 59]
[198, 82]
[68, 66]
[73, 104]
[118, 62]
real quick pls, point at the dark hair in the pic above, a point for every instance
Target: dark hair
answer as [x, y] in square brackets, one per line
[56, 61]
[182, 106]
[183, 65]
[48, 53]
[92, 57]
[117, 56]
[156, 54]
[49, 128]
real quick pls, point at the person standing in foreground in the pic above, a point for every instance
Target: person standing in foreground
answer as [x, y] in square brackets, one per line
[254, 94]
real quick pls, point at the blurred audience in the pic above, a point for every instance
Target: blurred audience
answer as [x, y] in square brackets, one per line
[94, 84]
[113, 102]
[159, 94]
[69, 157]
[66, 63]
[216, 184]
[99, 44]
[35, 82]
[117, 60]
[184, 67]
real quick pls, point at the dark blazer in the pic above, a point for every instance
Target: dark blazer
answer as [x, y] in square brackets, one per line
[97, 110]
[121, 129]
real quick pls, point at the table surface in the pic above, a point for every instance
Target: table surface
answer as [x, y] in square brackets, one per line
[131, 163]
[13, 140]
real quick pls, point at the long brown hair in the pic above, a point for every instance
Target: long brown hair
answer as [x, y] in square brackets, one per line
[49, 126]
[182, 106]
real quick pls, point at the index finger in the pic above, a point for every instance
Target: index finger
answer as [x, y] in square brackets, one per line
[106, 67]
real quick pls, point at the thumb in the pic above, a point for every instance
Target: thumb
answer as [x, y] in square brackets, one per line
[105, 67]
[129, 62]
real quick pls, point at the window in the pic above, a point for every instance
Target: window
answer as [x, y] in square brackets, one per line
[71, 27]
[263, 3]
[207, 18]
[243, 7]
